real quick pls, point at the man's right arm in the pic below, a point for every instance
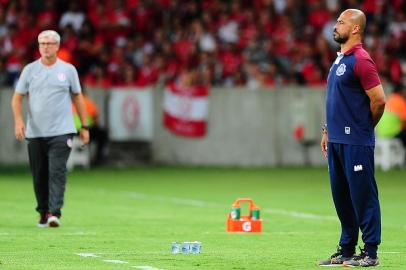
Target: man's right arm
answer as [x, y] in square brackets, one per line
[323, 142]
[17, 107]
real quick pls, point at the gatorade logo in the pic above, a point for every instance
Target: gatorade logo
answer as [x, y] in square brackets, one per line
[246, 226]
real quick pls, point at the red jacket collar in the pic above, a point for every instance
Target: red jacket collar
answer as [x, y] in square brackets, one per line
[353, 48]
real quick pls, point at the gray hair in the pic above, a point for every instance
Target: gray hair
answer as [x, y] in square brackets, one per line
[49, 34]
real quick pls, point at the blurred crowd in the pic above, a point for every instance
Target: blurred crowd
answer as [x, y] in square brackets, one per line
[250, 43]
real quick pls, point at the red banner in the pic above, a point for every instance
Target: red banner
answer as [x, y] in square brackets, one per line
[186, 110]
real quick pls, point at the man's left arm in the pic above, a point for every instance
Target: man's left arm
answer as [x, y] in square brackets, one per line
[78, 100]
[377, 102]
[367, 73]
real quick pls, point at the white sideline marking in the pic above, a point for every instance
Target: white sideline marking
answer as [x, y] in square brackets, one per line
[115, 261]
[192, 202]
[182, 201]
[146, 267]
[76, 233]
[87, 255]
[142, 267]
[299, 214]
[390, 252]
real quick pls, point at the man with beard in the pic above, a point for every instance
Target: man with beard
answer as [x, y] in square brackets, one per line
[354, 105]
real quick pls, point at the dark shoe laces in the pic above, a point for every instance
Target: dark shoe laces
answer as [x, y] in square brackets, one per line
[338, 253]
[361, 256]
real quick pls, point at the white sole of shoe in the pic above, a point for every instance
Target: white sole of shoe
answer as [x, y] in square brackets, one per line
[53, 222]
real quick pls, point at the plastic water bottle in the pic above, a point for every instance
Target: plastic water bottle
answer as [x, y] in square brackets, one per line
[255, 214]
[176, 248]
[196, 247]
[235, 212]
[186, 247]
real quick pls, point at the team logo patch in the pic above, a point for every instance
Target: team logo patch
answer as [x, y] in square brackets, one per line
[61, 77]
[69, 142]
[341, 70]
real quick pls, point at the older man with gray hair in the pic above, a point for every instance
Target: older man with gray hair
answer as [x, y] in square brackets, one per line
[50, 85]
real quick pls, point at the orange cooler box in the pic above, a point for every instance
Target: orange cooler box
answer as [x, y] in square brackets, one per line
[239, 223]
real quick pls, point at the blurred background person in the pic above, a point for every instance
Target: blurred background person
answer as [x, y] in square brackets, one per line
[98, 134]
[393, 122]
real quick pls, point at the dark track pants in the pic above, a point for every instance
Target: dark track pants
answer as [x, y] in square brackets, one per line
[355, 195]
[48, 157]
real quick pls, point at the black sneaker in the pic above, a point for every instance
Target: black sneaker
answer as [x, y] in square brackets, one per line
[362, 259]
[337, 259]
[43, 221]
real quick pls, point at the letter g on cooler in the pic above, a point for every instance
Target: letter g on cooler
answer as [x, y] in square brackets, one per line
[246, 226]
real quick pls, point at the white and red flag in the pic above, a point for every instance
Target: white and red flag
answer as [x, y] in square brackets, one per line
[186, 110]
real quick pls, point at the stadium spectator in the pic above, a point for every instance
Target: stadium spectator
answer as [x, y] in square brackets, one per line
[318, 15]
[74, 17]
[397, 104]
[52, 85]
[47, 17]
[354, 105]
[98, 134]
[98, 79]
[393, 123]
[3, 25]
[3, 75]
[128, 77]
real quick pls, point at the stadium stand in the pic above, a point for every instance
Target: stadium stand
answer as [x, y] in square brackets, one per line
[246, 43]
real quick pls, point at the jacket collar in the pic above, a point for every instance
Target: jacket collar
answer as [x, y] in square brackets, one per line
[352, 49]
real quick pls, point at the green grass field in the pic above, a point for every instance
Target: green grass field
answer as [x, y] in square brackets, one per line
[132, 216]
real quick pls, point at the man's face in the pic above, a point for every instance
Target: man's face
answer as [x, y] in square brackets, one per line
[342, 28]
[48, 47]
